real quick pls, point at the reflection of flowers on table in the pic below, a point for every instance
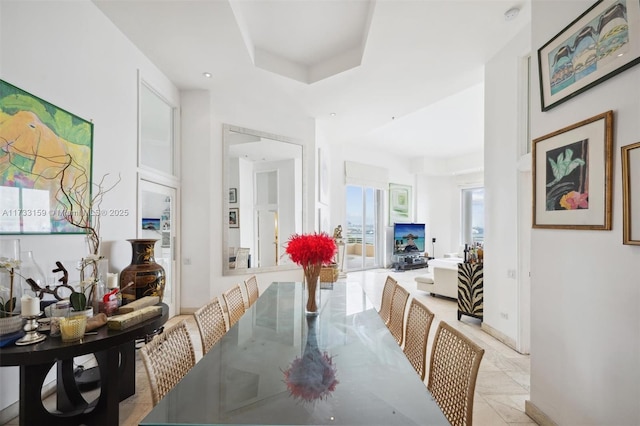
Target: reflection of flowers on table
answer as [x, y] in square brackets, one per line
[313, 376]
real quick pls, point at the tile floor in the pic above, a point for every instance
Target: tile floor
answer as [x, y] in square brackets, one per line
[503, 380]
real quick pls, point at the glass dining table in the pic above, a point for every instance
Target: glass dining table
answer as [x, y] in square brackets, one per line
[278, 366]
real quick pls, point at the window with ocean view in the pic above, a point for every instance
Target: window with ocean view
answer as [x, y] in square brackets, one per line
[362, 230]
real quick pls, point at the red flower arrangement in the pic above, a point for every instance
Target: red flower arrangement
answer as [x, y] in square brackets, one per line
[311, 249]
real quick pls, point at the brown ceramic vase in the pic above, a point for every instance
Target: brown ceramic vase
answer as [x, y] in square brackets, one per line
[147, 276]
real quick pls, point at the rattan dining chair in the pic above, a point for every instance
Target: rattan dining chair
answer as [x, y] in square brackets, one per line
[211, 324]
[419, 321]
[396, 319]
[387, 296]
[252, 290]
[235, 304]
[453, 370]
[167, 359]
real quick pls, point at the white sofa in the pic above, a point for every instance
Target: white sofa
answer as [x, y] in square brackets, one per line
[442, 279]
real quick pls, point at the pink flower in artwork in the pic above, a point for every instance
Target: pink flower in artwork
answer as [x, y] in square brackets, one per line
[574, 200]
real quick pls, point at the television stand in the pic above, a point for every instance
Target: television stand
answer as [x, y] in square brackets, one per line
[403, 262]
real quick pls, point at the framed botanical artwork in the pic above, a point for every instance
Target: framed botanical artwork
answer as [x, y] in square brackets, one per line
[572, 176]
[399, 203]
[233, 195]
[631, 193]
[234, 218]
[34, 193]
[600, 43]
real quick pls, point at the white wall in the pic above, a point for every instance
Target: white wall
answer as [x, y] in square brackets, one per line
[501, 155]
[69, 54]
[585, 334]
[439, 207]
[199, 199]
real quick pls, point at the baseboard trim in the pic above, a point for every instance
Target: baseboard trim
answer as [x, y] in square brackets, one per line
[537, 415]
[12, 411]
[499, 335]
[187, 311]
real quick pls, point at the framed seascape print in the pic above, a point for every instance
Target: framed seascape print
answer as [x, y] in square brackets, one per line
[234, 218]
[572, 176]
[600, 43]
[233, 195]
[631, 193]
[151, 224]
[38, 141]
[399, 203]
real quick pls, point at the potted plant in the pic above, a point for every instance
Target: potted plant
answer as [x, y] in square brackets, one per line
[81, 301]
[10, 320]
[8, 306]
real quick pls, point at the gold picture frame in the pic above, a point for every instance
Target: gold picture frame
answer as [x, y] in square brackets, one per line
[572, 176]
[631, 203]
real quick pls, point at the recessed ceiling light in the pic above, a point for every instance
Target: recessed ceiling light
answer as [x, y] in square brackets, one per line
[207, 74]
[333, 114]
[511, 13]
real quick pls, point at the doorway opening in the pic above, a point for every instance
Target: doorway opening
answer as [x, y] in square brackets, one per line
[363, 228]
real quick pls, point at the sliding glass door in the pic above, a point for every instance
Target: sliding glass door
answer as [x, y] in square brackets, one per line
[362, 228]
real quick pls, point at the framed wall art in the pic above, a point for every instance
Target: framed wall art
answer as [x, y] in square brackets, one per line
[631, 193]
[233, 195]
[38, 141]
[600, 43]
[399, 203]
[572, 176]
[151, 223]
[234, 218]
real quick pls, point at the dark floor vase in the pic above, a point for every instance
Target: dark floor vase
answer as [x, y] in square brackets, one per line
[148, 277]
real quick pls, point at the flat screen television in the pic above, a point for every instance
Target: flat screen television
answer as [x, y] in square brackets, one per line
[408, 238]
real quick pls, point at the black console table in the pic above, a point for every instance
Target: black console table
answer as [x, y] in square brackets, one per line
[115, 353]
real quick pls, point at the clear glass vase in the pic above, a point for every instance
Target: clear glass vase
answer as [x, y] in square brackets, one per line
[29, 268]
[312, 290]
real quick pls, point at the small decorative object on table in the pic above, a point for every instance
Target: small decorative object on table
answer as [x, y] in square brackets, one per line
[72, 328]
[311, 251]
[30, 312]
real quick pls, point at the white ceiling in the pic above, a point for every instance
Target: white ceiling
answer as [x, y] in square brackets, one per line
[400, 75]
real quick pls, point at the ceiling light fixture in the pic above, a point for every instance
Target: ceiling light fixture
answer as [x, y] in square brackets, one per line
[511, 14]
[333, 114]
[207, 74]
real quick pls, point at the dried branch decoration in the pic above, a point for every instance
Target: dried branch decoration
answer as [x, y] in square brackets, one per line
[80, 208]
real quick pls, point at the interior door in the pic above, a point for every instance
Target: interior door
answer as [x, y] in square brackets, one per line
[267, 238]
[158, 221]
